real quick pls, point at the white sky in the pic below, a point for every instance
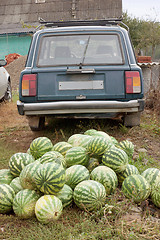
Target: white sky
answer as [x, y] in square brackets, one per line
[142, 9]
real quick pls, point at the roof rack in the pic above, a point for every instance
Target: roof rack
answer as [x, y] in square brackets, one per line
[101, 22]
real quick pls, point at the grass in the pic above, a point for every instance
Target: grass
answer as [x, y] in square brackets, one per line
[108, 223]
[15, 96]
[144, 161]
[119, 219]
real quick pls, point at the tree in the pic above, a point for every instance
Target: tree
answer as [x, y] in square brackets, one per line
[145, 35]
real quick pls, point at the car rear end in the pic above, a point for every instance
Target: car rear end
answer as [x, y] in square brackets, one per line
[82, 72]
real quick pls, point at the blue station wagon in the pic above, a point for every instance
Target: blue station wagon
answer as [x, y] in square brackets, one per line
[81, 69]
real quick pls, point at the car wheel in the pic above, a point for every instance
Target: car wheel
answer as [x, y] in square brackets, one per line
[8, 93]
[36, 123]
[132, 119]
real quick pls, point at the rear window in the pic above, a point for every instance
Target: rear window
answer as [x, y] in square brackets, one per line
[80, 50]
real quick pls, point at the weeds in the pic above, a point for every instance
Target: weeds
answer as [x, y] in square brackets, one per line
[123, 129]
[152, 101]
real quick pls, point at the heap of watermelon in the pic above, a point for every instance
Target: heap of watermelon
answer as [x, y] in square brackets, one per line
[84, 171]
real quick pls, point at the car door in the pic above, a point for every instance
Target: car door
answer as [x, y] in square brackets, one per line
[3, 81]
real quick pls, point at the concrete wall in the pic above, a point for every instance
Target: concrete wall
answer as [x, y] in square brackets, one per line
[151, 75]
[14, 12]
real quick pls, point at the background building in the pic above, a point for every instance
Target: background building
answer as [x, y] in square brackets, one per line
[19, 18]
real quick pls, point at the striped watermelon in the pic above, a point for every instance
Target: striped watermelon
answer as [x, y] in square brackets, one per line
[107, 177]
[24, 203]
[101, 134]
[155, 193]
[93, 162]
[77, 156]
[116, 159]
[7, 195]
[29, 152]
[26, 176]
[62, 147]
[136, 187]
[75, 139]
[48, 209]
[5, 176]
[65, 195]
[50, 156]
[15, 184]
[130, 170]
[76, 174]
[84, 141]
[79, 140]
[127, 146]
[98, 145]
[39, 146]
[50, 178]
[89, 195]
[151, 175]
[114, 140]
[61, 158]
[18, 161]
[53, 156]
[90, 132]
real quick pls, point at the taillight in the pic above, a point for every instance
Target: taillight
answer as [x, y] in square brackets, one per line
[133, 82]
[29, 85]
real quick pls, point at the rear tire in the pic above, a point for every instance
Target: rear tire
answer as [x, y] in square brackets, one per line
[36, 123]
[132, 119]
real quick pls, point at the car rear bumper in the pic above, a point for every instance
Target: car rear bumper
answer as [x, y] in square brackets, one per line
[80, 107]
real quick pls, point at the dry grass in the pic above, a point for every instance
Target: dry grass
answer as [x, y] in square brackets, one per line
[153, 100]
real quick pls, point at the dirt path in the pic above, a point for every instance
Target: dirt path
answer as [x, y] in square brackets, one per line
[9, 117]
[14, 128]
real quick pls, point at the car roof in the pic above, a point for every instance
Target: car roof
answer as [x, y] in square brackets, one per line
[80, 29]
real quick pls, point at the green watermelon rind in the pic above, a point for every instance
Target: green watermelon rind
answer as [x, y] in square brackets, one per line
[116, 159]
[16, 185]
[136, 188]
[65, 195]
[130, 170]
[39, 146]
[151, 175]
[26, 176]
[6, 176]
[107, 177]
[77, 156]
[89, 195]
[7, 195]
[18, 161]
[50, 178]
[48, 209]
[79, 140]
[127, 146]
[62, 147]
[76, 174]
[98, 145]
[51, 156]
[24, 203]
[155, 193]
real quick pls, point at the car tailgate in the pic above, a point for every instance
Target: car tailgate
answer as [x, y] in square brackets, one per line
[99, 83]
